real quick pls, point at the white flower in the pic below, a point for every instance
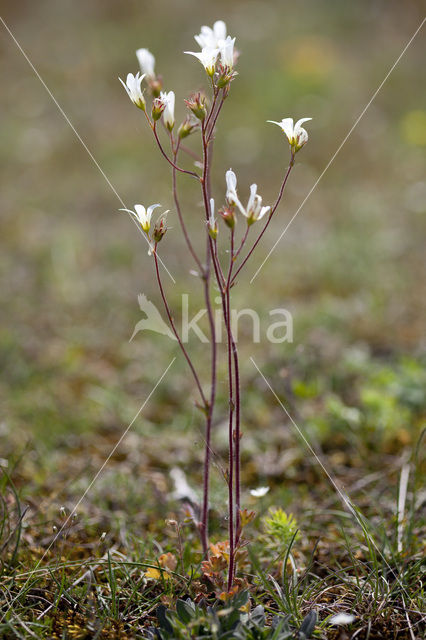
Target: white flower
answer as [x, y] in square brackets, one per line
[207, 57]
[168, 99]
[142, 215]
[210, 37]
[133, 88]
[226, 48]
[212, 225]
[231, 185]
[296, 134]
[212, 220]
[260, 492]
[146, 61]
[254, 210]
[342, 618]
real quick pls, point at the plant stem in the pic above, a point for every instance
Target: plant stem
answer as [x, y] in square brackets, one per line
[173, 326]
[205, 184]
[243, 241]
[160, 146]
[233, 463]
[210, 133]
[179, 211]
[224, 286]
[231, 448]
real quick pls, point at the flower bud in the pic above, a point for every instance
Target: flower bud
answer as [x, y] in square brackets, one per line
[228, 216]
[158, 107]
[160, 228]
[197, 104]
[225, 77]
[156, 86]
[213, 230]
[187, 127]
[168, 99]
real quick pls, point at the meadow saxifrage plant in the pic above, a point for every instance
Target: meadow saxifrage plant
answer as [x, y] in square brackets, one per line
[218, 58]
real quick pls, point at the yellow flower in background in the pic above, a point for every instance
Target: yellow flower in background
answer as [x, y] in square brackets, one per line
[312, 57]
[413, 128]
[155, 574]
[168, 561]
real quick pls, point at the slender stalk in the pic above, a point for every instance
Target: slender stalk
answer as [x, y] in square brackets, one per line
[160, 146]
[191, 153]
[232, 457]
[237, 443]
[209, 116]
[232, 353]
[218, 269]
[243, 241]
[274, 208]
[231, 448]
[205, 184]
[179, 210]
[209, 418]
[237, 433]
[173, 326]
[210, 133]
[207, 455]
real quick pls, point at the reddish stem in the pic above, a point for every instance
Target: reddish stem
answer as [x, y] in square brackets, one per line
[179, 211]
[160, 146]
[173, 326]
[210, 133]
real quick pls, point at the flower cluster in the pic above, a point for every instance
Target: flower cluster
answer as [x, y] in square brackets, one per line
[217, 52]
[163, 101]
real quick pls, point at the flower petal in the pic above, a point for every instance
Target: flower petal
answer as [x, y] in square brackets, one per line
[140, 210]
[287, 127]
[231, 180]
[300, 122]
[263, 211]
[151, 208]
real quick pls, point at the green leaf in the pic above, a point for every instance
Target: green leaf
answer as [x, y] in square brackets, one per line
[308, 625]
[184, 611]
[161, 613]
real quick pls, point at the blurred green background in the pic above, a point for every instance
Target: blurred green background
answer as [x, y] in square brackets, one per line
[349, 269]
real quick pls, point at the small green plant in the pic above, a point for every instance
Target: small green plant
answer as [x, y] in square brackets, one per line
[281, 528]
[196, 621]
